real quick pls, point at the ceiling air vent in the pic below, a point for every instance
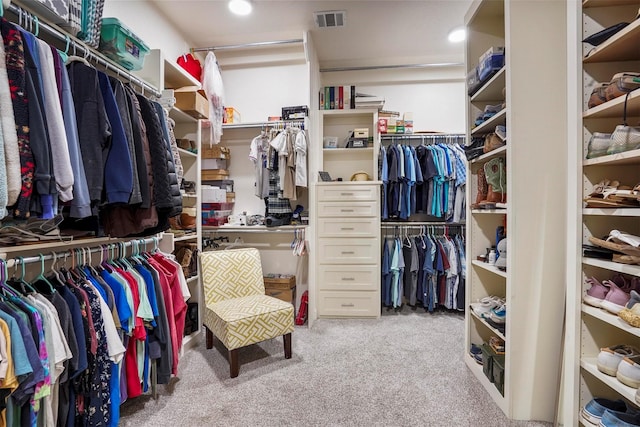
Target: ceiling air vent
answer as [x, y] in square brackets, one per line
[330, 18]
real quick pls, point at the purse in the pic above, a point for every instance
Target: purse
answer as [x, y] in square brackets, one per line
[492, 142]
[622, 83]
[603, 35]
[624, 137]
[598, 95]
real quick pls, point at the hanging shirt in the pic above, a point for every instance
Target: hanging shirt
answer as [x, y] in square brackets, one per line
[301, 159]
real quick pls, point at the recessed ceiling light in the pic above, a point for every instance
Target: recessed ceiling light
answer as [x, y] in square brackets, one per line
[457, 35]
[240, 7]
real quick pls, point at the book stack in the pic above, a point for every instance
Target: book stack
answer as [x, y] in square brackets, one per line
[364, 100]
[337, 98]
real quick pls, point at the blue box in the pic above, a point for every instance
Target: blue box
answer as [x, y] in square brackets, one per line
[490, 63]
[473, 81]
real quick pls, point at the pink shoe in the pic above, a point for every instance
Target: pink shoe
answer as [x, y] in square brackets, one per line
[616, 298]
[596, 293]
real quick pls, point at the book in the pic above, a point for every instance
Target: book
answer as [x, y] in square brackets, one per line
[332, 97]
[352, 105]
[347, 97]
[326, 98]
[321, 99]
[340, 98]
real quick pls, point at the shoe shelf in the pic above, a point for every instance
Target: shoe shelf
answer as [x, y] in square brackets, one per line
[187, 153]
[611, 212]
[502, 151]
[489, 267]
[186, 237]
[495, 331]
[602, 3]
[492, 89]
[490, 211]
[630, 157]
[612, 319]
[631, 269]
[180, 116]
[614, 109]
[500, 118]
[622, 46]
[589, 365]
[476, 369]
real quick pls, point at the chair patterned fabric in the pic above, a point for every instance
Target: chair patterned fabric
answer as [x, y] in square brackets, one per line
[243, 321]
[237, 310]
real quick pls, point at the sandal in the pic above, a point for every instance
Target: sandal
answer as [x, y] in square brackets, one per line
[618, 247]
[610, 194]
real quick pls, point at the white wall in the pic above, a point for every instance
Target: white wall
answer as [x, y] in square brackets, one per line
[148, 24]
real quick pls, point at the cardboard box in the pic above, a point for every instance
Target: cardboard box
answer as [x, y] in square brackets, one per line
[231, 197]
[194, 103]
[215, 174]
[286, 282]
[212, 194]
[286, 295]
[215, 163]
[231, 116]
[216, 152]
[226, 184]
[361, 133]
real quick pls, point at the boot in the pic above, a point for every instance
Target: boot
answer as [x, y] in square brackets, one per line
[496, 174]
[482, 189]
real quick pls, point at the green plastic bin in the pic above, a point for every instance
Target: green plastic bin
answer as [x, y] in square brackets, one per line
[120, 44]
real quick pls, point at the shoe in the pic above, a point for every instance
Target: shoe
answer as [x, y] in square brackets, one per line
[631, 312]
[629, 371]
[619, 419]
[595, 409]
[596, 293]
[501, 131]
[481, 196]
[499, 314]
[476, 353]
[616, 298]
[609, 358]
[485, 305]
[598, 145]
[624, 138]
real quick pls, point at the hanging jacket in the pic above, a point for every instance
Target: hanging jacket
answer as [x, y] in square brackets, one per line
[171, 166]
[9, 135]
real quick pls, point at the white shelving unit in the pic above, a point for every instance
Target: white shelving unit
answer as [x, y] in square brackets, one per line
[167, 74]
[535, 158]
[589, 328]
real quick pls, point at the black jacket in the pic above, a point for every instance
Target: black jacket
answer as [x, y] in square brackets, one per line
[173, 177]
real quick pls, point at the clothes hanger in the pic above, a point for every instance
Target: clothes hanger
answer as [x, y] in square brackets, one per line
[41, 275]
[76, 58]
[4, 286]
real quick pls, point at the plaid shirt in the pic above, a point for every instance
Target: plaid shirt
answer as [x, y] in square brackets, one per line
[275, 203]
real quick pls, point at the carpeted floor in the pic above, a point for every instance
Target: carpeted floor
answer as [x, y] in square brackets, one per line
[403, 369]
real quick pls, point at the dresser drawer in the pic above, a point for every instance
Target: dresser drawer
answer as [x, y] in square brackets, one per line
[349, 304]
[348, 210]
[342, 227]
[349, 251]
[348, 277]
[347, 192]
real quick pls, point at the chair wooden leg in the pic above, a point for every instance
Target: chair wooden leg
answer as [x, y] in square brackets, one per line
[209, 338]
[234, 369]
[287, 345]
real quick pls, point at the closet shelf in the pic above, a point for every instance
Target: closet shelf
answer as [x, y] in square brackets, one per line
[488, 326]
[602, 3]
[492, 89]
[187, 237]
[254, 228]
[186, 153]
[176, 77]
[367, 150]
[189, 196]
[57, 245]
[260, 125]
[612, 319]
[622, 46]
[502, 151]
[498, 398]
[489, 126]
[589, 365]
[631, 269]
[490, 211]
[180, 116]
[611, 212]
[614, 109]
[489, 267]
[631, 157]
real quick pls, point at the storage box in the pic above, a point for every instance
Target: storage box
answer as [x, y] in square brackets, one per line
[330, 142]
[286, 295]
[473, 81]
[382, 125]
[194, 103]
[216, 152]
[487, 360]
[225, 184]
[497, 371]
[213, 221]
[56, 11]
[231, 115]
[297, 112]
[361, 133]
[211, 194]
[224, 206]
[214, 174]
[121, 44]
[280, 282]
[214, 163]
[490, 62]
[231, 197]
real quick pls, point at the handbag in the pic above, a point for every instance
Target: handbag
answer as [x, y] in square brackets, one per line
[603, 35]
[624, 137]
[598, 95]
[492, 142]
[622, 83]
[191, 65]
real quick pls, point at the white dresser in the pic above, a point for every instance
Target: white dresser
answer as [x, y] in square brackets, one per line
[348, 250]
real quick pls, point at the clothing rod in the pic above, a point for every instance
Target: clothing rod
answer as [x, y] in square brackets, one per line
[76, 44]
[248, 229]
[419, 135]
[29, 260]
[391, 67]
[419, 224]
[247, 45]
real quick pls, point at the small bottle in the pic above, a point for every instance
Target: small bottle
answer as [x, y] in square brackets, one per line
[492, 257]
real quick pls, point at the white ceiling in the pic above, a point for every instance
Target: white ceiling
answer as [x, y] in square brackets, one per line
[377, 32]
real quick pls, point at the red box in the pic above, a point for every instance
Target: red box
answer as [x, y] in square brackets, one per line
[382, 125]
[215, 221]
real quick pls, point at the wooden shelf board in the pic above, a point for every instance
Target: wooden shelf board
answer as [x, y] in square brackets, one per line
[611, 319]
[350, 113]
[488, 326]
[631, 269]
[180, 116]
[187, 237]
[186, 153]
[502, 151]
[253, 228]
[176, 77]
[489, 211]
[492, 89]
[622, 46]
[347, 150]
[631, 157]
[611, 211]
[589, 365]
[489, 126]
[586, 4]
[489, 267]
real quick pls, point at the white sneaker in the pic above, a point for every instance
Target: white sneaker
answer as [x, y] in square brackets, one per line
[609, 358]
[629, 371]
[484, 306]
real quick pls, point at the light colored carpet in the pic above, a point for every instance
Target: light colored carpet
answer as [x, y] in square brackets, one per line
[403, 369]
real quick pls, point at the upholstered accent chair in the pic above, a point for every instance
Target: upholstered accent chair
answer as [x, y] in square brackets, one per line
[237, 310]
